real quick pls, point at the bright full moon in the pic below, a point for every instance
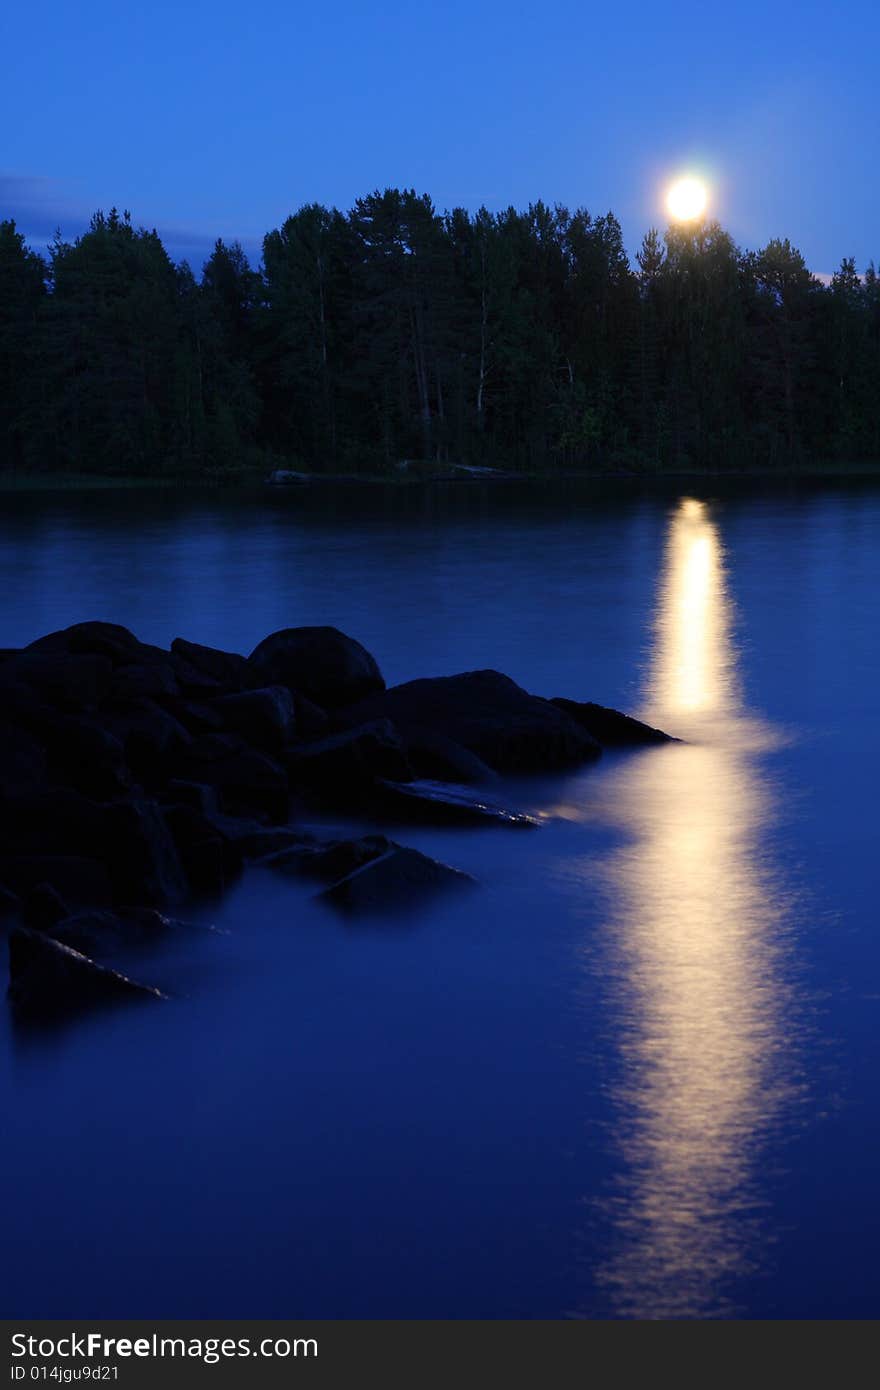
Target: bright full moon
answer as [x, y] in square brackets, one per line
[686, 199]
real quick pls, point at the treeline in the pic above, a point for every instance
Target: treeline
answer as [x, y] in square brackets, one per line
[393, 331]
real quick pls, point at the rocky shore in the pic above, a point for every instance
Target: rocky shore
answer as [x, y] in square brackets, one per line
[135, 780]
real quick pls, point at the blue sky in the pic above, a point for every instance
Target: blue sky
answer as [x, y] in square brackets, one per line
[219, 119]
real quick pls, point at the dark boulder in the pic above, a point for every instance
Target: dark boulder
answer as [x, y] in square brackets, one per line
[224, 668]
[438, 758]
[342, 765]
[210, 861]
[142, 856]
[320, 662]
[10, 902]
[87, 756]
[23, 761]
[311, 720]
[49, 980]
[264, 717]
[80, 881]
[43, 907]
[488, 714]
[243, 777]
[51, 820]
[445, 803]
[609, 727]
[251, 840]
[94, 638]
[139, 681]
[326, 860]
[194, 716]
[100, 933]
[69, 681]
[399, 879]
[195, 794]
[153, 739]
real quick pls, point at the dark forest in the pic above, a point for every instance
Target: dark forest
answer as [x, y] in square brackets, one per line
[520, 339]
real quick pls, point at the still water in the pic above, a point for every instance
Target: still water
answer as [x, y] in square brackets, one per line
[635, 1074]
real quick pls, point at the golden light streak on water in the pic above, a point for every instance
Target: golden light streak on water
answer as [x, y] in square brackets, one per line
[694, 945]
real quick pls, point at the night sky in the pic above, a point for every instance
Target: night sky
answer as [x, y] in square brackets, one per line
[220, 119]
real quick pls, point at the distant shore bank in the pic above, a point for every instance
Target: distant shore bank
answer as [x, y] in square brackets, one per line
[426, 474]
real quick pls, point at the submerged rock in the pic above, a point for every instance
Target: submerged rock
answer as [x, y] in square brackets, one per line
[320, 662]
[488, 714]
[609, 727]
[48, 979]
[94, 932]
[391, 882]
[251, 840]
[327, 860]
[447, 803]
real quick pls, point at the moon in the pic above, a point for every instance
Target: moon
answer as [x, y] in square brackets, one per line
[687, 199]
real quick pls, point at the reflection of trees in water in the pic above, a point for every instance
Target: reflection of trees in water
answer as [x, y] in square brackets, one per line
[695, 944]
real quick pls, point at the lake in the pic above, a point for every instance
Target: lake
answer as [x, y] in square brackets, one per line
[635, 1074]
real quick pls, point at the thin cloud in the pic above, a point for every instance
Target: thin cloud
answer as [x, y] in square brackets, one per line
[42, 206]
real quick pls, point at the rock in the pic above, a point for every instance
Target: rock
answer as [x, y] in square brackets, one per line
[488, 714]
[319, 662]
[69, 681]
[52, 820]
[242, 776]
[210, 862]
[195, 794]
[43, 907]
[48, 979]
[441, 760]
[251, 840]
[142, 857]
[194, 716]
[609, 727]
[226, 668]
[152, 738]
[264, 717]
[447, 803]
[95, 638]
[195, 682]
[137, 681]
[344, 764]
[88, 757]
[94, 932]
[327, 860]
[23, 761]
[311, 720]
[41, 743]
[10, 903]
[80, 881]
[396, 880]
[285, 477]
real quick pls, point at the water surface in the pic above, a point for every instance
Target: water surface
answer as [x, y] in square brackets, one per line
[635, 1074]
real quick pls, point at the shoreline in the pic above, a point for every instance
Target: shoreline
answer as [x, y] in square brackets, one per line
[11, 483]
